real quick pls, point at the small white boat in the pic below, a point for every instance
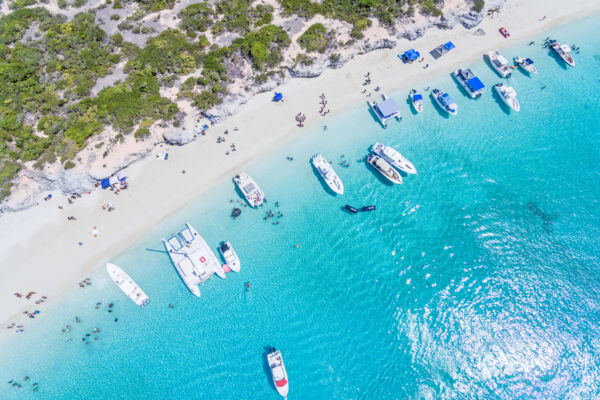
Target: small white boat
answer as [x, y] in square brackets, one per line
[328, 174]
[127, 285]
[384, 169]
[416, 99]
[250, 189]
[445, 102]
[508, 95]
[526, 64]
[384, 110]
[230, 256]
[469, 82]
[393, 157]
[563, 50]
[278, 372]
[500, 64]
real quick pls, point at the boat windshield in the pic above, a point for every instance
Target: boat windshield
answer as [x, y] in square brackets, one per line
[187, 235]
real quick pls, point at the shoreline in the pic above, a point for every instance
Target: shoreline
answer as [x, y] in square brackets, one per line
[158, 188]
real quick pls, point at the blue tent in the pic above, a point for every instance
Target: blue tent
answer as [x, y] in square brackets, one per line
[278, 97]
[411, 55]
[449, 46]
[105, 183]
[475, 84]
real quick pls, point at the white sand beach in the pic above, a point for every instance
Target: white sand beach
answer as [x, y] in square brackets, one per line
[40, 250]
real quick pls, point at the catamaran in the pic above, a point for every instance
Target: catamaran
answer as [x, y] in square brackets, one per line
[416, 100]
[230, 256]
[251, 191]
[526, 65]
[385, 169]
[563, 50]
[394, 158]
[469, 82]
[385, 109]
[445, 102]
[500, 64]
[200, 252]
[327, 173]
[127, 285]
[508, 95]
[184, 265]
[280, 378]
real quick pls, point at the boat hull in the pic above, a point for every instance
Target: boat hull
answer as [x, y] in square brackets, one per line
[389, 173]
[230, 257]
[328, 174]
[127, 285]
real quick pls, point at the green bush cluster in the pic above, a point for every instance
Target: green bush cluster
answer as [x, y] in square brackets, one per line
[314, 38]
[239, 16]
[263, 47]
[196, 18]
[478, 5]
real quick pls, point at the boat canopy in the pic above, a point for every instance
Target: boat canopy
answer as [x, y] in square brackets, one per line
[417, 96]
[249, 188]
[475, 84]
[387, 108]
[529, 61]
[446, 99]
[501, 58]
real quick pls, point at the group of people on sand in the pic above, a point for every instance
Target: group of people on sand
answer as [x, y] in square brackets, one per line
[13, 325]
[300, 118]
[323, 103]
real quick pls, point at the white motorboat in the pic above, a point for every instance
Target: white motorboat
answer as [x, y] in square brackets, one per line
[278, 372]
[445, 102]
[183, 264]
[250, 189]
[469, 82]
[384, 110]
[200, 253]
[230, 256]
[526, 64]
[327, 173]
[393, 157]
[416, 99]
[127, 285]
[508, 95]
[385, 169]
[563, 50]
[500, 64]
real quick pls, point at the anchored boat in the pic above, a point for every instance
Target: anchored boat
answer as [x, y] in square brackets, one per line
[469, 82]
[444, 101]
[127, 285]
[385, 109]
[508, 95]
[326, 171]
[250, 189]
[563, 51]
[526, 64]
[230, 256]
[500, 64]
[393, 157]
[278, 372]
[384, 169]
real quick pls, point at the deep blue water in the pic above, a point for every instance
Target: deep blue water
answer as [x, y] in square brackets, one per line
[477, 278]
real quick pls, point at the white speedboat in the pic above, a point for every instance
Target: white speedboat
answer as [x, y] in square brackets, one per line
[469, 82]
[230, 256]
[526, 64]
[385, 169]
[563, 50]
[251, 191]
[445, 102]
[200, 253]
[508, 95]
[394, 158]
[278, 372]
[127, 285]
[500, 64]
[327, 173]
[416, 99]
[183, 264]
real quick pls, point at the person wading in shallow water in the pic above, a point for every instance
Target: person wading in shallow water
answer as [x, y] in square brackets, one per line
[247, 286]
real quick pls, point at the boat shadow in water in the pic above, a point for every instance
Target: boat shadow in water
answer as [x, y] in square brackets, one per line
[437, 108]
[561, 63]
[410, 106]
[324, 185]
[506, 109]
[266, 367]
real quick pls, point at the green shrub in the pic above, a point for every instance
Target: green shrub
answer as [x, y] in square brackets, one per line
[430, 8]
[79, 3]
[314, 38]
[115, 17]
[141, 133]
[478, 5]
[69, 164]
[196, 18]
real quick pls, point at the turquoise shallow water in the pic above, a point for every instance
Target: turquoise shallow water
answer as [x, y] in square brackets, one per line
[477, 278]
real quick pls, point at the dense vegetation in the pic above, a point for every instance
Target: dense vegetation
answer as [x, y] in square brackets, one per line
[196, 18]
[314, 38]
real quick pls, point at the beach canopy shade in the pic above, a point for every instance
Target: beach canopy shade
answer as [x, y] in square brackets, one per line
[388, 107]
[449, 46]
[475, 84]
[105, 183]
[278, 96]
[411, 55]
